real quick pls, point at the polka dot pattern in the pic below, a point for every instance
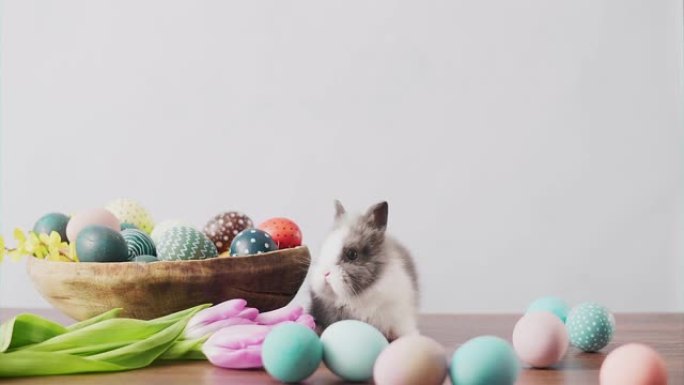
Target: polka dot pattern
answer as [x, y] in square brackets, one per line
[183, 243]
[590, 327]
[138, 243]
[250, 242]
[224, 227]
[285, 232]
[132, 212]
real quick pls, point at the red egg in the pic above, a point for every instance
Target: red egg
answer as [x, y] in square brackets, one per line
[285, 232]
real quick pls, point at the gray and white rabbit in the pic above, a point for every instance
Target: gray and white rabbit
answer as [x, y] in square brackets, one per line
[364, 274]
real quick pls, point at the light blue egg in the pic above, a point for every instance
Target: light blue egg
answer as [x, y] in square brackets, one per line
[291, 352]
[590, 326]
[553, 305]
[350, 349]
[485, 360]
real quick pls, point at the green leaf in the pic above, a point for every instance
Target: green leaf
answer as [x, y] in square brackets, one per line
[27, 329]
[186, 350]
[23, 363]
[98, 318]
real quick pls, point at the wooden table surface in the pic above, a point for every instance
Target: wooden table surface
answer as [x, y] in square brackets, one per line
[664, 332]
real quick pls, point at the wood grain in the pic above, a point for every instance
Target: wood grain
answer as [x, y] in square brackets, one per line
[149, 290]
[664, 332]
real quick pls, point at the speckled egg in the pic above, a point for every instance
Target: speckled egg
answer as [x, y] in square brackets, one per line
[85, 218]
[553, 305]
[138, 243]
[224, 227]
[126, 225]
[130, 211]
[96, 243]
[183, 243]
[291, 352]
[161, 228]
[251, 241]
[411, 360]
[284, 232]
[633, 364]
[590, 326]
[52, 222]
[485, 360]
[350, 349]
[540, 339]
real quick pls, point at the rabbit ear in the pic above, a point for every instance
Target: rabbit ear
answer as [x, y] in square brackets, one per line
[377, 215]
[339, 209]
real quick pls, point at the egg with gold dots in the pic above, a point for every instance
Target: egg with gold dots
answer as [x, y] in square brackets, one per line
[131, 212]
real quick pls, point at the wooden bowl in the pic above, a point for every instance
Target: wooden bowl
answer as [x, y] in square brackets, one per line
[149, 290]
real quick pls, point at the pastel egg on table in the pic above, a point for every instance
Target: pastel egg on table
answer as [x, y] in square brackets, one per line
[252, 241]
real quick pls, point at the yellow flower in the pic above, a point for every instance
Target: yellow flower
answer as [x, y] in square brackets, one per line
[2, 248]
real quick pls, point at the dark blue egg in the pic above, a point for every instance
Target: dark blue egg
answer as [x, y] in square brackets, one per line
[101, 244]
[252, 241]
[52, 222]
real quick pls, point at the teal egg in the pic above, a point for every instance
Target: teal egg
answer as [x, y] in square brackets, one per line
[590, 326]
[184, 243]
[291, 352]
[350, 349]
[126, 225]
[138, 243]
[52, 222]
[485, 360]
[100, 244]
[145, 259]
[552, 305]
[250, 242]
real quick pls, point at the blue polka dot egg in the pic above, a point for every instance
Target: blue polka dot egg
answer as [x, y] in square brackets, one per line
[590, 326]
[251, 241]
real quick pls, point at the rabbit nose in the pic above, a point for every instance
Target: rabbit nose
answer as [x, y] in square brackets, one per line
[326, 274]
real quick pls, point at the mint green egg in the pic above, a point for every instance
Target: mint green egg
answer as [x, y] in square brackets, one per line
[291, 352]
[350, 349]
[553, 305]
[590, 326]
[485, 360]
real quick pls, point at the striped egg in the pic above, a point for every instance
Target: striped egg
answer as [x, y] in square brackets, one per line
[138, 243]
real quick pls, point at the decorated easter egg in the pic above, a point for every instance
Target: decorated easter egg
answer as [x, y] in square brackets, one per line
[540, 339]
[145, 259]
[183, 243]
[484, 360]
[252, 241]
[291, 352]
[633, 364]
[410, 360]
[284, 232]
[138, 243]
[350, 349]
[97, 243]
[550, 304]
[224, 227]
[85, 218]
[161, 228]
[126, 225]
[52, 222]
[130, 211]
[590, 326]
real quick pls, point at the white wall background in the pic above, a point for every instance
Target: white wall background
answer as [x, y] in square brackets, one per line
[526, 148]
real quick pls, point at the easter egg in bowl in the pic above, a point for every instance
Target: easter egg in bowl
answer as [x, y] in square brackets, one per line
[145, 290]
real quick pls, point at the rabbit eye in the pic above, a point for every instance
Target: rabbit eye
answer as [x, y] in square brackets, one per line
[351, 254]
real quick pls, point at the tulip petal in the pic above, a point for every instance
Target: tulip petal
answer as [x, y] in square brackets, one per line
[201, 330]
[222, 311]
[273, 317]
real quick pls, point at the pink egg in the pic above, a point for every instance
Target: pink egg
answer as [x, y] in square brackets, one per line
[411, 360]
[85, 218]
[540, 339]
[633, 364]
